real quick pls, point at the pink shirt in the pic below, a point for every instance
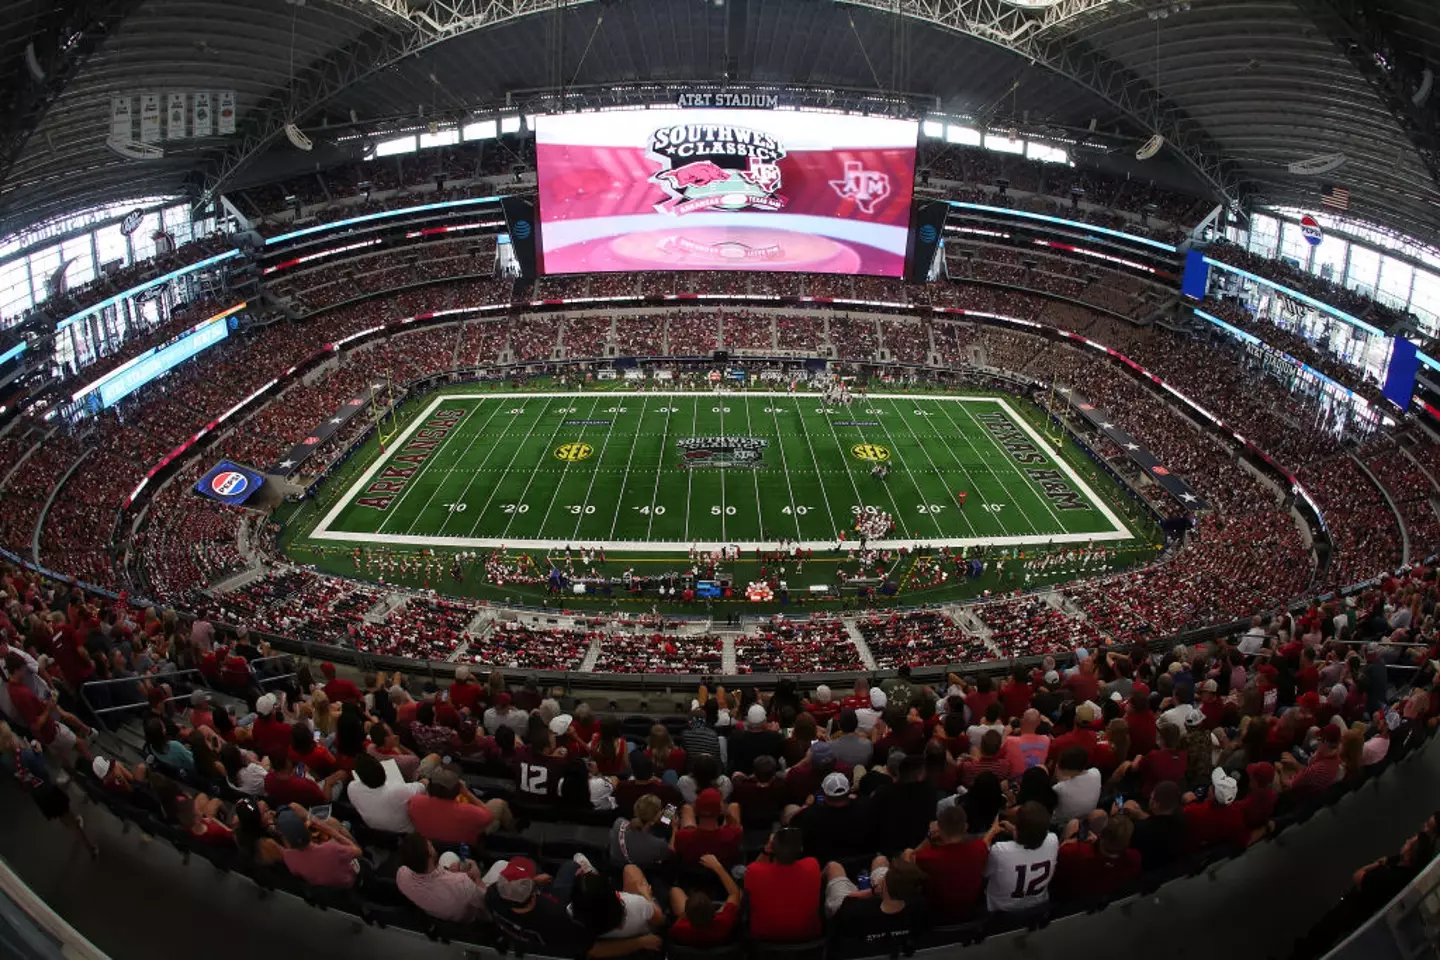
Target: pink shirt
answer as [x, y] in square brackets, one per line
[444, 894]
[328, 864]
[1026, 751]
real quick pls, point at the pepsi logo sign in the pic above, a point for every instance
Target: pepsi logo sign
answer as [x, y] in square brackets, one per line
[1311, 230]
[229, 484]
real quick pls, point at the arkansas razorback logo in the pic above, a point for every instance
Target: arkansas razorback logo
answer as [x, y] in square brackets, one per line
[701, 173]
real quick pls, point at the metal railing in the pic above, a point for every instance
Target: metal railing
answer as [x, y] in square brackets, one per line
[103, 713]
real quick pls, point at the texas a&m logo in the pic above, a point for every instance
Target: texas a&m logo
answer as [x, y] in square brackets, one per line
[865, 187]
[716, 166]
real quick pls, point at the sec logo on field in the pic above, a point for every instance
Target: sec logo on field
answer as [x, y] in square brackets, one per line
[870, 451]
[229, 484]
[573, 451]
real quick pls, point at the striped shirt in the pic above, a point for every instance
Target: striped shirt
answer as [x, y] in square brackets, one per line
[698, 738]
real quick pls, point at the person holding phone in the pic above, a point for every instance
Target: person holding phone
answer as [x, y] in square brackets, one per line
[634, 840]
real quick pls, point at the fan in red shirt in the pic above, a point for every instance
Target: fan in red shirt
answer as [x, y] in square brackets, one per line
[1167, 762]
[338, 689]
[784, 891]
[1308, 782]
[860, 699]
[954, 867]
[1259, 801]
[283, 785]
[268, 734]
[823, 708]
[979, 698]
[1016, 693]
[699, 922]
[1083, 683]
[709, 827]
[1098, 868]
[305, 749]
[1082, 734]
[1141, 721]
[1216, 820]
[465, 693]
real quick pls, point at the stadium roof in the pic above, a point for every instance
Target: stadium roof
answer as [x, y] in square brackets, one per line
[1239, 88]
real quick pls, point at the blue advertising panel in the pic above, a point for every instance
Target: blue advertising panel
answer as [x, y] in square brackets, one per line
[229, 483]
[1197, 275]
[1400, 378]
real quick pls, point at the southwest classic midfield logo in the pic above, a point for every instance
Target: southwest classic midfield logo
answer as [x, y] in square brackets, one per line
[231, 483]
[865, 187]
[716, 166]
[722, 451]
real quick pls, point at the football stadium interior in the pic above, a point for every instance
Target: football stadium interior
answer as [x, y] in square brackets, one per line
[715, 479]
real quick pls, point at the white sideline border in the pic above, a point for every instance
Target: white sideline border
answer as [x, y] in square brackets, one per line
[1118, 529]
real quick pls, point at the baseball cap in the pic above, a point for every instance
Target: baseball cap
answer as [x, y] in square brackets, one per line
[822, 693]
[821, 752]
[292, 827]
[1052, 677]
[1310, 700]
[1141, 688]
[1224, 787]
[517, 880]
[709, 803]
[101, 766]
[560, 724]
[1085, 713]
[835, 785]
[199, 698]
[462, 672]
[502, 699]
[1209, 686]
[878, 700]
[327, 668]
[445, 778]
[1260, 774]
[755, 716]
[1330, 734]
[265, 705]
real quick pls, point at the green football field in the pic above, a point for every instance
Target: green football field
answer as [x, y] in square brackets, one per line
[661, 471]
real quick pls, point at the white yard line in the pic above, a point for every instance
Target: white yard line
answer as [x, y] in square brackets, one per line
[495, 488]
[1095, 499]
[970, 479]
[323, 531]
[934, 517]
[859, 497]
[819, 477]
[659, 467]
[535, 471]
[784, 466]
[620, 497]
[604, 445]
[720, 406]
[374, 468]
[1004, 456]
[689, 474]
[461, 499]
[933, 465]
[433, 460]
[755, 476]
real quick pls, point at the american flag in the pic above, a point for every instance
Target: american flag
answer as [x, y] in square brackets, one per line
[1335, 196]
